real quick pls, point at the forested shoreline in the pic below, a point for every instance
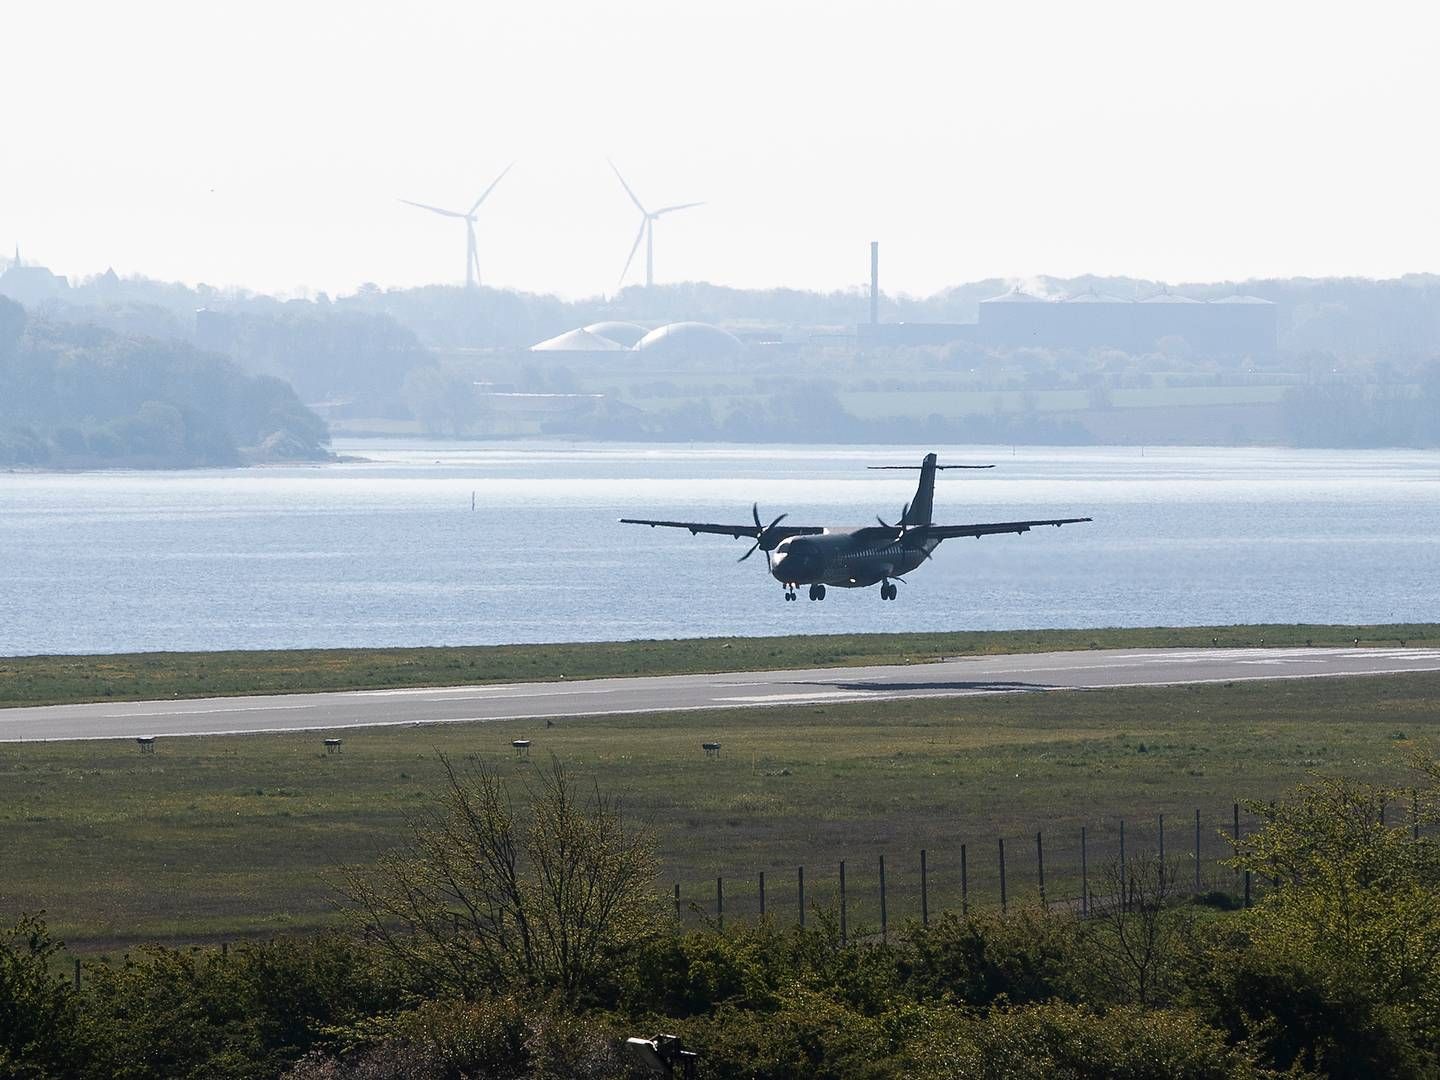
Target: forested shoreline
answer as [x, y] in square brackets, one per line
[75, 396]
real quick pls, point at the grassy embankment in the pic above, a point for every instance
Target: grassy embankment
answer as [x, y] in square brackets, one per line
[44, 680]
[219, 837]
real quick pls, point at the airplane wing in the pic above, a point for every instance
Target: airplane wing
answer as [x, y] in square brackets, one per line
[951, 532]
[781, 532]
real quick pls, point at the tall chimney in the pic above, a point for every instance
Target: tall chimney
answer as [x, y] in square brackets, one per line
[874, 281]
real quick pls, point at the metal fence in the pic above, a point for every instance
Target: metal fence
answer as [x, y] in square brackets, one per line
[1070, 870]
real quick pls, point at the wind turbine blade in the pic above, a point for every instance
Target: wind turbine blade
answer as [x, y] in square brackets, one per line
[626, 186]
[434, 209]
[634, 248]
[491, 188]
[669, 209]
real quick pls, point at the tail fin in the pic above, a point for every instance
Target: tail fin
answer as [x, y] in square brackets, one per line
[922, 506]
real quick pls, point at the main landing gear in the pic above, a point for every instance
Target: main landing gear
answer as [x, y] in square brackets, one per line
[817, 592]
[888, 591]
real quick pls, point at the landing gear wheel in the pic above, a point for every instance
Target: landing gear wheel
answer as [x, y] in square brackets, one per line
[819, 592]
[888, 591]
[789, 595]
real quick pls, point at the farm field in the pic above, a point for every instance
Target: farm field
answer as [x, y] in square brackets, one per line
[217, 838]
[49, 680]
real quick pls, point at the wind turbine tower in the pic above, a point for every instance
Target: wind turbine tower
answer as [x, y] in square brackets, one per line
[472, 256]
[647, 230]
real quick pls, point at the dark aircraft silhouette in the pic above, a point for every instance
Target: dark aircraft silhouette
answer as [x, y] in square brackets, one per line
[855, 558]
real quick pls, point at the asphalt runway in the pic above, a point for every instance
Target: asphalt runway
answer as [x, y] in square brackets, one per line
[1036, 672]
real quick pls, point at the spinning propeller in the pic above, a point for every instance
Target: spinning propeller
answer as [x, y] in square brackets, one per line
[903, 529]
[766, 541]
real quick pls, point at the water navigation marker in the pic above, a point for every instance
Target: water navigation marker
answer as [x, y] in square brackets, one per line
[146, 744]
[712, 749]
[332, 746]
[522, 747]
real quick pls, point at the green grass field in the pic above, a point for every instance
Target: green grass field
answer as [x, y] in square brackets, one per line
[44, 680]
[215, 838]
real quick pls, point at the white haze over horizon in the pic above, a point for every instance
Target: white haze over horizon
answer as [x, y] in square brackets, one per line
[265, 145]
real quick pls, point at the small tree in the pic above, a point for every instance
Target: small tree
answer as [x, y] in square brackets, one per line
[1136, 936]
[481, 898]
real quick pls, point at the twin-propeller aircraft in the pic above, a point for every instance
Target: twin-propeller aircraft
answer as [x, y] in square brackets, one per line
[855, 558]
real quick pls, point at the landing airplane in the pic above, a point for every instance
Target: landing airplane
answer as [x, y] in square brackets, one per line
[855, 558]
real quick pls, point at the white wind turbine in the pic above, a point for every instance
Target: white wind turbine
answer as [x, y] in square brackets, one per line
[472, 257]
[647, 230]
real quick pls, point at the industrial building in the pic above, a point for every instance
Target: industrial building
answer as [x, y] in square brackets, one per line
[1230, 326]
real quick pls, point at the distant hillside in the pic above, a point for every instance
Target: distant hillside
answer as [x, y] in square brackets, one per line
[77, 396]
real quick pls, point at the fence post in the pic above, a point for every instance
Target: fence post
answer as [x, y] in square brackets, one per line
[1197, 851]
[1040, 869]
[843, 927]
[1084, 877]
[884, 919]
[677, 899]
[800, 880]
[1414, 814]
[224, 948]
[1002, 875]
[762, 894]
[720, 902]
[964, 885]
[924, 892]
[1247, 888]
[1162, 842]
[77, 973]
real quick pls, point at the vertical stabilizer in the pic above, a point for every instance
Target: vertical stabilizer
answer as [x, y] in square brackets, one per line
[922, 507]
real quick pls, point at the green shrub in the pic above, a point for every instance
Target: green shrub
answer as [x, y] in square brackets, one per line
[1061, 1041]
[497, 1039]
[981, 959]
[37, 1010]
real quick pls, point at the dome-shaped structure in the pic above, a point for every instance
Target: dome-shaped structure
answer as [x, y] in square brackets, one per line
[578, 341]
[623, 333]
[691, 341]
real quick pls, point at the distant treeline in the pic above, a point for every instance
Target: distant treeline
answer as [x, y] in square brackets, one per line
[1397, 318]
[74, 396]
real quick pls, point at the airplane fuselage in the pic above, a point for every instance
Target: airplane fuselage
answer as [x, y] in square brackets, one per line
[846, 558]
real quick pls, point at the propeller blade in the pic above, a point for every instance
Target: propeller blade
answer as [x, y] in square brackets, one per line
[777, 521]
[491, 187]
[755, 513]
[747, 554]
[626, 186]
[634, 248]
[883, 522]
[434, 209]
[672, 209]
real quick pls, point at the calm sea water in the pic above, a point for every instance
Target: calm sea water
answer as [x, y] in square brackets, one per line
[389, 552]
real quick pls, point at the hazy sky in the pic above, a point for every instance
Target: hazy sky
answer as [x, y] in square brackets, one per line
[266, 144]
